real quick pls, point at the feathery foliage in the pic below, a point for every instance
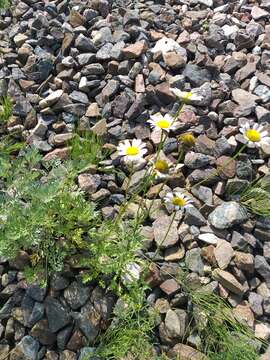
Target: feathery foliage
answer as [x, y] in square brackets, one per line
[256, 197]
[5, 103]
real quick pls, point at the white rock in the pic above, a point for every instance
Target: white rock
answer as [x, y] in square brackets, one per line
[166, 45]
[51, 99]
[209, 238]
[229, 30]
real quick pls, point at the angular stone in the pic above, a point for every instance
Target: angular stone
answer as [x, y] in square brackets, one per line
[84, 44]
[244, 98]
[185, 352]
[26, 349]
[135, 50]
[244, 261]
[228, 281]
[92, 110]
[174, 60]
[42, 333]
[76, 295]
[244, 314]
[89, 183]
[176, 323]
[165, 231]
[223, 254]
[194, 217]
[194, 261]
[258, 13]
[170, 287]
[51, 99]
[196, 75]
[58, 316]
[263, 268]
[227, 215]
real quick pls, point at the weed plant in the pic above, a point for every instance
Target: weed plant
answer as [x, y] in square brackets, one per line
[5, 103]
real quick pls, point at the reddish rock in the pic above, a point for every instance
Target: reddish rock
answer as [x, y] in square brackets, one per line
[185, 352]
[174, 60]
[226, 166]
[61, 154]
[170, 286]
[135, 50]
[77, 341]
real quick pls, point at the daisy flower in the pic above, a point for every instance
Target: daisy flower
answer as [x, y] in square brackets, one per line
[161, 168]
[160, 122]
[132, 151]
[255, 134]
[178, 200]
[187, 139]
[187, 96]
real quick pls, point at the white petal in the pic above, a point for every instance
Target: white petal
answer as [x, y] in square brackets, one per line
[264, 133]
[169, 118]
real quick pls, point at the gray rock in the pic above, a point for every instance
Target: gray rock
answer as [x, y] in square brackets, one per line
[203, 193]
[84, 44]
[197, 75]
[63, 337]
[104, 53]
[36, 292]
[227, 215]
[196, 160]
[263, 92]
[58, 316]
[194, 261]
[256, 301]
[93, 69]
[263, 268]
[27, 349]
[76, 295]
[110, 89]
[89, 183]
[79, 96]
[194, 217]
[176, 323]
[86, 351]
[36, 314]
[88, 322]
[163, 237]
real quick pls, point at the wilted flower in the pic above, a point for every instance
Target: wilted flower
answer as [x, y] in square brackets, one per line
[132, 150]
[178, 200]
[187, 139]
[255, 134]
[166, 122]
[187, 96]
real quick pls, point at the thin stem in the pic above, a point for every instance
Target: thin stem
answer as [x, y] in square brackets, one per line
[218, 171]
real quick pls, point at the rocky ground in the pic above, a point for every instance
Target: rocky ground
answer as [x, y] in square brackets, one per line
[107, 66]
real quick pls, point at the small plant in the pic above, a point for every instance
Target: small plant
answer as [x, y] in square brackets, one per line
[86, 149]
[223, 336]
[256, 197]
[4, 4]
[47, 216]
[129, 336]
[5, 106]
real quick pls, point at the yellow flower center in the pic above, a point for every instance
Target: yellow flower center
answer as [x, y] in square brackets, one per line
[187, 139]
[177, 201]
[132, 150]
[163, 124]
[162, 166]
[253, 135]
